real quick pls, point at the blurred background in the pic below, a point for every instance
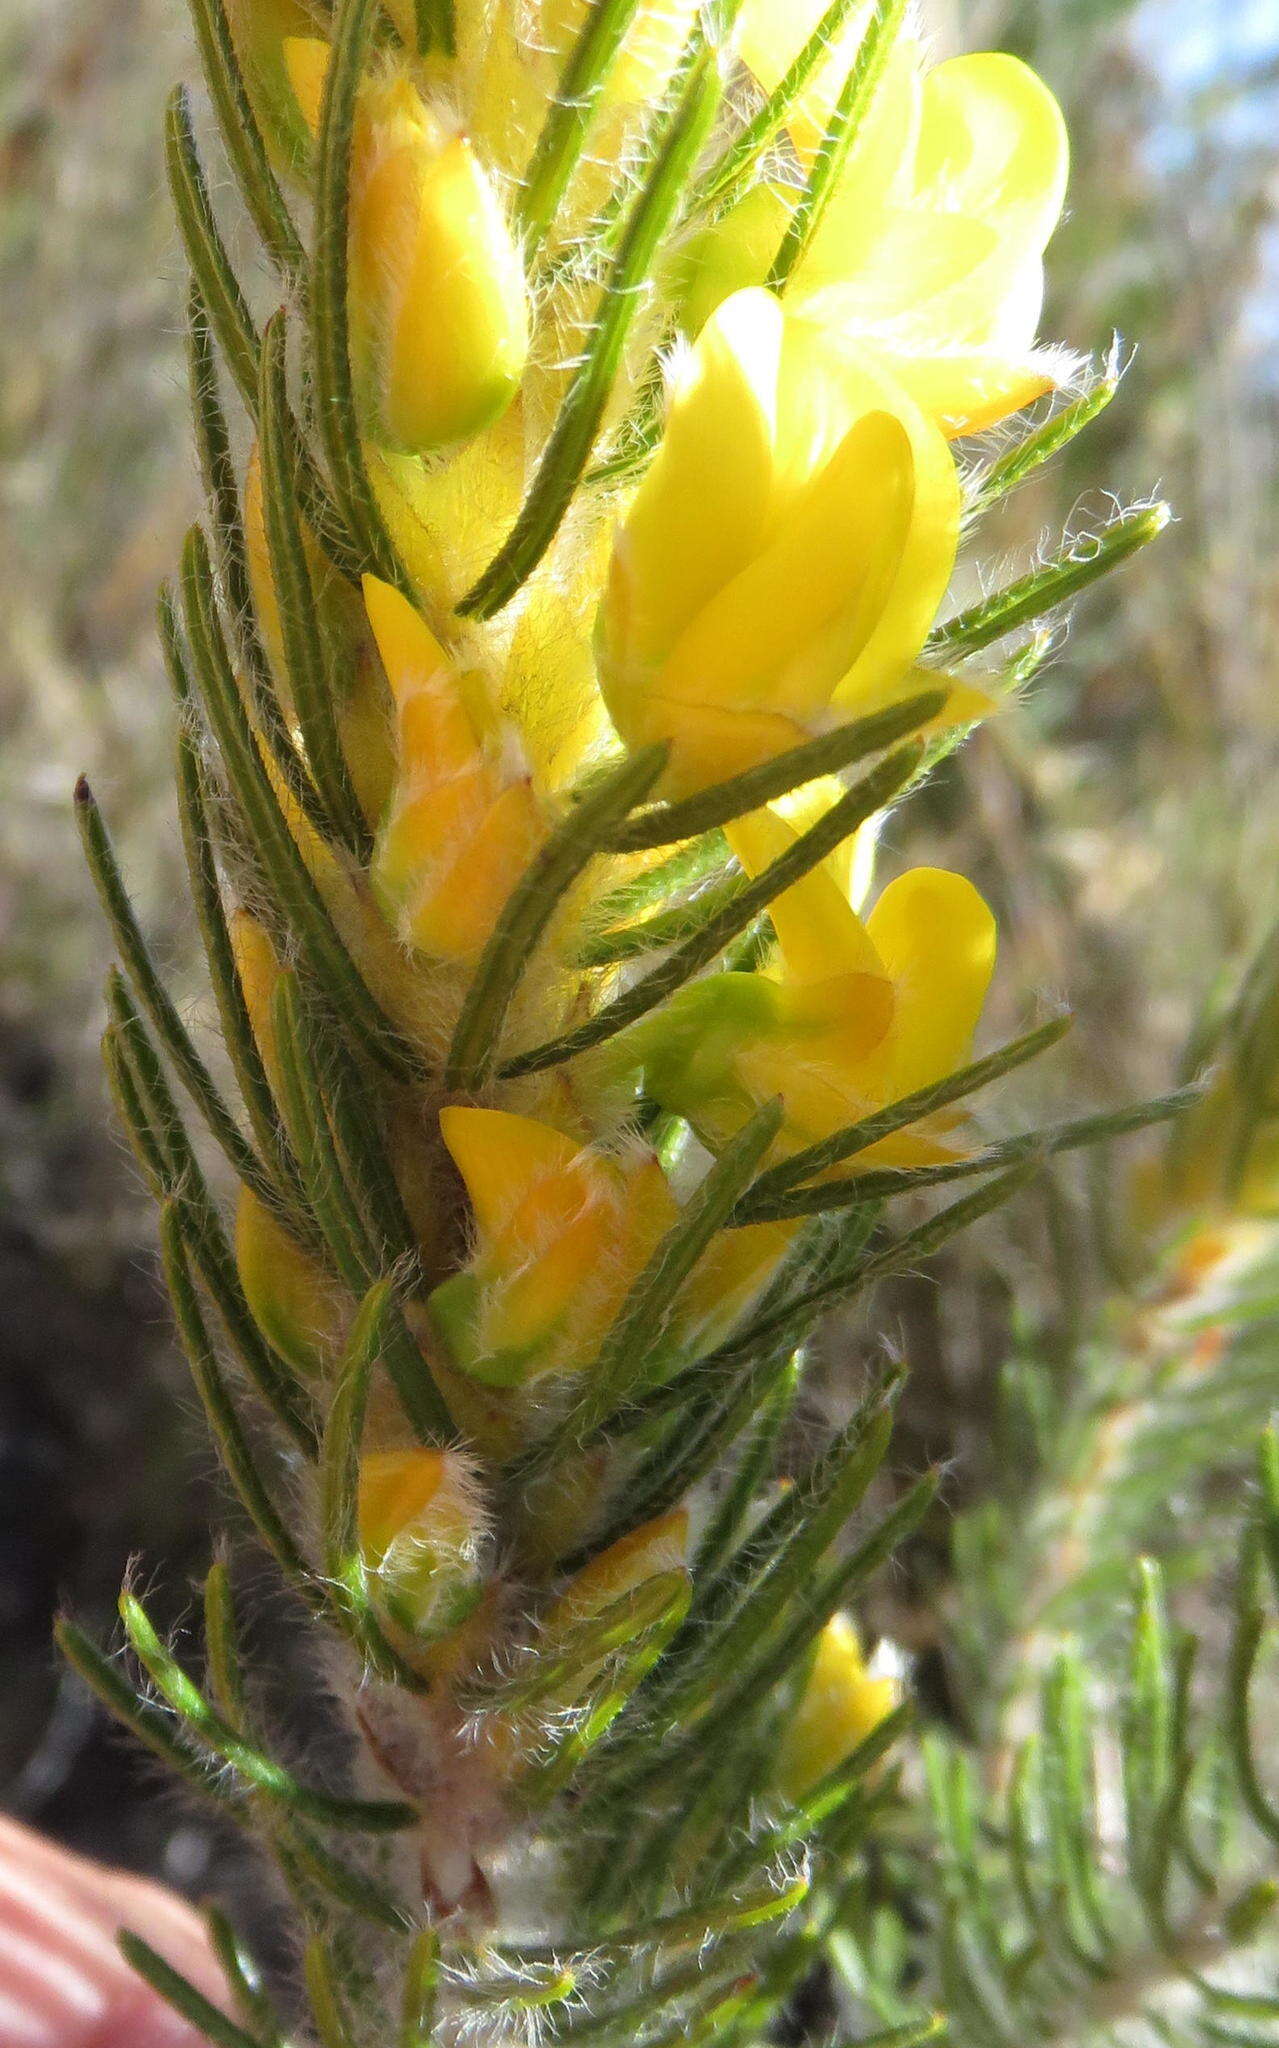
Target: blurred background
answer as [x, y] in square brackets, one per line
[1123, 822]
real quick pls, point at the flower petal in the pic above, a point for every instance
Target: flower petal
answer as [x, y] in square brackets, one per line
[936, 938]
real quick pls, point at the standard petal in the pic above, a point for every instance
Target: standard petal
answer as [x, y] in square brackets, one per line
[992, 142]
[702, 507]
[936, 938]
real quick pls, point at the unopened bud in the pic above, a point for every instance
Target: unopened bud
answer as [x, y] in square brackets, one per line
[563, 1229]
[463, 824]
[294, 1302]
[421, 1531]
[842, 1703]
[439, 314]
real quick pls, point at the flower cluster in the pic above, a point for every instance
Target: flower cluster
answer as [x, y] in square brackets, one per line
[569, 633]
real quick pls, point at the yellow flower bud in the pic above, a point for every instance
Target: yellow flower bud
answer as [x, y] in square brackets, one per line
[658, 1547]
[259, 31]
[855, 1014]
[463, 823]
[841, 1704]
[422, 1528]
[562, 1231]
[296, 1304]
[785, 555]
[929, 253]
[439, 314]
[650, 1564]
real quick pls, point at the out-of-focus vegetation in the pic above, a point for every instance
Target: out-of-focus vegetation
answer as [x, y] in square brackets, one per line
[1124, 820]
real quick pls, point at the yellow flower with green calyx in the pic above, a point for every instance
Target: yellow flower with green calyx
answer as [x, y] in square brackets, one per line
[438, 303]
[421, 1534]
[853, 1015]
[930, 252]
[643, 1575]
[784, 556]
[840, 1705]
[563, 1230]
[463, 823]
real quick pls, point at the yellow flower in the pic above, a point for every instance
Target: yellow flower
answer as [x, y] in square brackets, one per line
[439, 314]
[854, 1016]
[562, 1231]
[657, 1550]
[785, 555]
[421, 1532]
[463, 823]
[647, 1575]
[841, 1705]
[929, 254]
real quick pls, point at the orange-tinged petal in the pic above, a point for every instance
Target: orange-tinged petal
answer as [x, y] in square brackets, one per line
[454, 916]
[561, 1281]
[554, 1204]
[396, 1487]
[421, 1525]
[425, 833]
[502, 1157]
[411, 655]
[659, 1546]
